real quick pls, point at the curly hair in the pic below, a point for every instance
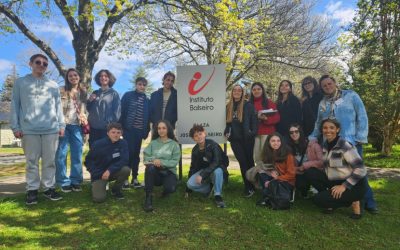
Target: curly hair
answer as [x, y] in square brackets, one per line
[111, 77]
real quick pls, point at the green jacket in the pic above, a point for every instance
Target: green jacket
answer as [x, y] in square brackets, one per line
[168, 152]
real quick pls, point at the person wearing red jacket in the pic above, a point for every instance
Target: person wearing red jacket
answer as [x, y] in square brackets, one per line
[266, 121]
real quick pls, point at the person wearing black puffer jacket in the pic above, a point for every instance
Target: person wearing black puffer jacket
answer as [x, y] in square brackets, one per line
[241, 129]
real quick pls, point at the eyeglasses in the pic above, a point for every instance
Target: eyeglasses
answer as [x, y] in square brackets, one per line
[293, 132]
[41, 63]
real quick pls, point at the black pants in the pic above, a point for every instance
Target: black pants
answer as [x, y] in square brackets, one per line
[154, 176]
[302, 184]
[324, 197]
[243, 151]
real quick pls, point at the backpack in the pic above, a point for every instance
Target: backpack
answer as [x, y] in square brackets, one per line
[279, 194]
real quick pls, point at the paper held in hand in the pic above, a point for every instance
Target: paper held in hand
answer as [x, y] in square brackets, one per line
[267, 111]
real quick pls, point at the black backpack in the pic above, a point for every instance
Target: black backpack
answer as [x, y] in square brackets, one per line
[279, 194]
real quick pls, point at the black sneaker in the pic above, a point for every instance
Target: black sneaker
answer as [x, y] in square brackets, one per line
[117, 194]
[66, 189]
[136, 184]
[76, 187]
[218, 200]
[31, 197]
[52, 194]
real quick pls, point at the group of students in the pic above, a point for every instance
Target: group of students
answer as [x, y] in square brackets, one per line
[259, 132]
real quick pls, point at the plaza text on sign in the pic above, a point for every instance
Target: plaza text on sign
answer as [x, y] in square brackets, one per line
[201, 100]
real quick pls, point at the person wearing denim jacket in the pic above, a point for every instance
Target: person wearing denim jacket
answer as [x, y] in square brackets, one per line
[347, 107]
[73, 99]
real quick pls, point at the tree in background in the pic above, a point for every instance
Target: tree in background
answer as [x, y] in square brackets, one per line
[240, 34]
[82, 17]
[6, 90]
[140, 71]
[375, 68]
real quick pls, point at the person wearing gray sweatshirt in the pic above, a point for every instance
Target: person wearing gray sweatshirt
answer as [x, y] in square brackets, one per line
[37, 119]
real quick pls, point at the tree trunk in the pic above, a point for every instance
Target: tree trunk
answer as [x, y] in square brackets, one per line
[388, 139]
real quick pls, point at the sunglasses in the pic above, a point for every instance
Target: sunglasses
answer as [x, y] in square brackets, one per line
[293, 132]
[44, 64]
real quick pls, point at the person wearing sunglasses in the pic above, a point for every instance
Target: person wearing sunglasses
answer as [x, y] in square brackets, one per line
[307, 154]
[37, 119]
[311, 95]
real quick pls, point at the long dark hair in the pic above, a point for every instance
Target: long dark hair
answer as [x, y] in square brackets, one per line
[280, 95]
[264, 101]
[269, 155]
[301, 146]
[170, 130]
[307, 79]
[68, 85]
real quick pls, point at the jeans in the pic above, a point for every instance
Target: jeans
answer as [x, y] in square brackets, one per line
[134, 138]
[217, 179]
[74, 138]
[40, 147]
[369, 201]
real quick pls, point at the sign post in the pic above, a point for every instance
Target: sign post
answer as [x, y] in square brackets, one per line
[201, 100]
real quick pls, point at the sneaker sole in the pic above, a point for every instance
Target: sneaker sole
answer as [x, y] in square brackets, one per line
[66, 191]
[77, 190]
[53, 199]
[31, 203]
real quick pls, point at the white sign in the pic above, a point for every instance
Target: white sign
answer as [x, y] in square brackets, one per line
[201, 100]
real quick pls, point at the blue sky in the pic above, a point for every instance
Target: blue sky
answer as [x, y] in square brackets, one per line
[15, 49]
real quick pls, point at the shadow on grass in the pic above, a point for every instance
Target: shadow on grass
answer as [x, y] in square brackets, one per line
[193, 223]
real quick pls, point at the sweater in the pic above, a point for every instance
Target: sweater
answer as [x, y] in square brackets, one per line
[343, 162]
[290, 112]
[167, 152]
[134, 113]
[36, 106]
[266, 127]
[156, 107]
[106, 108]
[105, 155]
[349, 110]
[286, 170]
[68, 105]
[314, 156]
[310, 112]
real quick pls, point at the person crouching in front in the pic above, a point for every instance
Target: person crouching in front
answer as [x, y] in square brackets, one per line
[207, 167]
[107, 160]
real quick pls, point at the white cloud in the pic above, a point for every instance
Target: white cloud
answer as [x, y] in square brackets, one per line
[54, 30]
[343, 15]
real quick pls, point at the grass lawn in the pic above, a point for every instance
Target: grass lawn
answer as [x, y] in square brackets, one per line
[373, 158]
[193, 223]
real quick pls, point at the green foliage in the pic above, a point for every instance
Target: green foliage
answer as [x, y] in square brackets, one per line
[140, 71]
[375, 67]
[6, 89]
[177, 223]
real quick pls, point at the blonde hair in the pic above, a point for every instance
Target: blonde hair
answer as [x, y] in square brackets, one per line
[229, 106]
